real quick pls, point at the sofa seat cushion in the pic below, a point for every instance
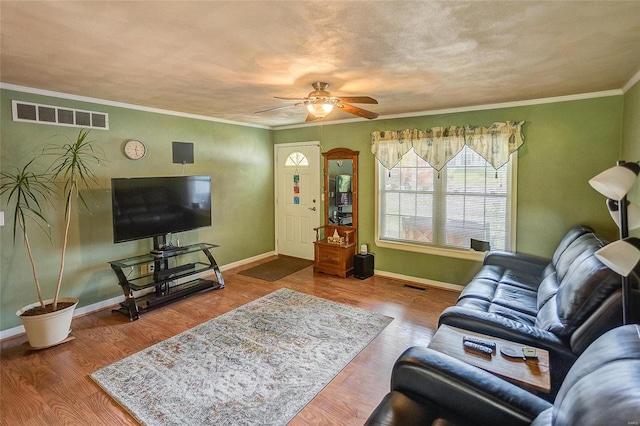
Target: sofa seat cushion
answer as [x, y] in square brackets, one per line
[497, 310]
[508, 276]
[516, 298]
[495, 290]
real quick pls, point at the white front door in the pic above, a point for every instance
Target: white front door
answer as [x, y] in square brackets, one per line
[297, 181]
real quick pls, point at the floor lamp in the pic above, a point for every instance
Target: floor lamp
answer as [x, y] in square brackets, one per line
[622, 256]
[615, 183]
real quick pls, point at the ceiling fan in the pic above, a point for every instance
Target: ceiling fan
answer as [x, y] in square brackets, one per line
[320, 103]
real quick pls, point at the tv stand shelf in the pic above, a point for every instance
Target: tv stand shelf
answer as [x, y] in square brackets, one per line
[163, 280]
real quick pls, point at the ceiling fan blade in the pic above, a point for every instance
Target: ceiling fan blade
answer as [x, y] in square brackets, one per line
[291, 99]
[357, 99]
[357, 111]
[276, 108]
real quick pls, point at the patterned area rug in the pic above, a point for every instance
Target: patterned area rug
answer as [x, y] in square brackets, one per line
[259, 364]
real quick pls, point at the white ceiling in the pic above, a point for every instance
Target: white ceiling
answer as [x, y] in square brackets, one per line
[227, 59]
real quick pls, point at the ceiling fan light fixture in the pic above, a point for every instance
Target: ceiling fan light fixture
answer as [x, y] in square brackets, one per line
[321, 103]
[319, 109]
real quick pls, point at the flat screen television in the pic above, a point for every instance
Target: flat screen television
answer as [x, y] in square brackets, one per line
[152, 207]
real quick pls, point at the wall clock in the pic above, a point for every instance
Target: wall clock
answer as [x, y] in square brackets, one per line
[134, 149]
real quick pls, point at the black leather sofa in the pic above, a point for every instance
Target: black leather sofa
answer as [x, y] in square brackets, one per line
[431, 388]
[562, 304]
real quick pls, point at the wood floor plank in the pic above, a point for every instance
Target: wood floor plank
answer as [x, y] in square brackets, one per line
[19, 397]
[53, 386]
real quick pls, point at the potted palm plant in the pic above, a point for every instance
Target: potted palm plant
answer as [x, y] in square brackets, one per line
[47, 322]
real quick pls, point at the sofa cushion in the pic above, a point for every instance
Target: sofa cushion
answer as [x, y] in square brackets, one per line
[498, 310]
[505, 292]
[586, 283]
[572, 252]
[547, 289]
[492, 277]
[568, 239]
[569, 248]
[516, 298]
[494, 274]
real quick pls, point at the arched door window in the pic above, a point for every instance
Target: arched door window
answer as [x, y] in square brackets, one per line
[296, 159]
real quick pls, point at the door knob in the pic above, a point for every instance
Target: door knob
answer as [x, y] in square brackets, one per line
[313, 209]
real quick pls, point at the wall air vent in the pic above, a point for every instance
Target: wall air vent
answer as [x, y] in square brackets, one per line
[59, 116]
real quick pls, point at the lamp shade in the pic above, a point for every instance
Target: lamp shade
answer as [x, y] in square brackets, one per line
[633, 213]
[319, 109]
[621, 256]
[615, 182]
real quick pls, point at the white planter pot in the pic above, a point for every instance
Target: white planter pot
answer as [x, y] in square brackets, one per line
[48, 329]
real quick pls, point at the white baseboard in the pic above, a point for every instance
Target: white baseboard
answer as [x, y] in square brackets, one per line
[98, 306]
[420, 281]
[248, 260]
[11, 332]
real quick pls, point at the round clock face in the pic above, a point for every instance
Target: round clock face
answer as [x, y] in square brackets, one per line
[135, 149]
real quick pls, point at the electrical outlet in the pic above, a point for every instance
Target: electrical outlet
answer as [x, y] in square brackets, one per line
[151, 267]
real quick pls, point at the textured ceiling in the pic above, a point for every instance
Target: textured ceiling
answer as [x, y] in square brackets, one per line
[227, 59]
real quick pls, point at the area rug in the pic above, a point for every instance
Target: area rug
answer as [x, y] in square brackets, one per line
[259, 364]
[277, 269]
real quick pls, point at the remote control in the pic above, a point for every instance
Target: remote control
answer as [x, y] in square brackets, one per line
[479, 341]
[478, 348]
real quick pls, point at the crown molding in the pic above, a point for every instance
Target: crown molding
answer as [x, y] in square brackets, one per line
[540, 101]
[555, 99]
[79, 98]
[632, 81]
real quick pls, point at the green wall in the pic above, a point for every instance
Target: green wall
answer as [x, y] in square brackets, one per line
[238, 158]
[631, 138]
[566, 144]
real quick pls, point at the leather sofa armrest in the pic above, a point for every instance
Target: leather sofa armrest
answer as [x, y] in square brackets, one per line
[464, 389]
[522, 262]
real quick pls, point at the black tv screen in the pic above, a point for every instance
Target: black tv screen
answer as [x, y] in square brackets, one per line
[155, 206]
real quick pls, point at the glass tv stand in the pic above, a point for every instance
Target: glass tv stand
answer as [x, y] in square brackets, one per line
[164, 274]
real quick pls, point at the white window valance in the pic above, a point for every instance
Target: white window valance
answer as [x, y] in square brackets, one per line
[438, 145]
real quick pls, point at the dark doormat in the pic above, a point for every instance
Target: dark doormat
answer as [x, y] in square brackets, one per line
[278, 268]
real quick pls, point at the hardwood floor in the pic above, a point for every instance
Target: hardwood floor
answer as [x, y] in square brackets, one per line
[52, 387]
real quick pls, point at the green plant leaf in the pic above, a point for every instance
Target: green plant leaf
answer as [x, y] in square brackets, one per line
[27, 192]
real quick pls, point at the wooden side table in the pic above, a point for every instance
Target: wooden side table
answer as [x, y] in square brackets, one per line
[532, 373]
[332, 258]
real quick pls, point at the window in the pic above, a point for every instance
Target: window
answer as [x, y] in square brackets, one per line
[421, 209]
[296, 159]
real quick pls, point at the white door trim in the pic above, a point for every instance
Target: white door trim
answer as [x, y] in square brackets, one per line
[277, 176]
